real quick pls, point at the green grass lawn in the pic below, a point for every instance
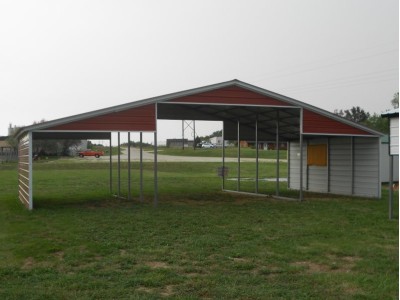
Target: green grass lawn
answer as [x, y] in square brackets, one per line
[199, 243]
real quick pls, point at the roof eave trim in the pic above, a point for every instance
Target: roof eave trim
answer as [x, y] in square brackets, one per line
[118, 108]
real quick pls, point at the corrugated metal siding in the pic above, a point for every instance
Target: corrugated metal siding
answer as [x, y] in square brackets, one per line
[294, 165]
[385, 162]
[366, 167]
[231, 95]
[340, 165]
[141, 118]
[317, 178]
[394, 136]
[316, 123]
[23, 171]
[366, 180]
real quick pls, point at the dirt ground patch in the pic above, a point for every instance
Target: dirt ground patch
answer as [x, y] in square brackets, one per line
[334, 265]
[157, 264]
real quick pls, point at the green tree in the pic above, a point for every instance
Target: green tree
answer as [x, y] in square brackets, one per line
[395, 100]
[359, 115]
[197, 141]
[378, 123]
[12, 141]
[355, 114]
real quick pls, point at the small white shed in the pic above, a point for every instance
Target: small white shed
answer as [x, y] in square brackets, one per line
[385, 161]
[393, 116]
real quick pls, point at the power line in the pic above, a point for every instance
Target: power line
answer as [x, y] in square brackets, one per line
[346, 85]
[360, 77]
[329, 65]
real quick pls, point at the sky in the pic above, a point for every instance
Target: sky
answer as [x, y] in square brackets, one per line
[62, 58]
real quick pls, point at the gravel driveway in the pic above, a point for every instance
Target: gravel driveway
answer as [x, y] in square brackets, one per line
[149, 156]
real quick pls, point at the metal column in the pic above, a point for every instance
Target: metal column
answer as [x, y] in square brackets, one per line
[328, 188]
[111, 181]
[352, 165]
[223, 155]
[301, 197]
[307, 169]
[277, 154]
[141, 166]
[256, 155]
[129, 166]
[119, 164]
[183, 134]
[155, 171]
[238, 154]
[194, 135]
[391, 187]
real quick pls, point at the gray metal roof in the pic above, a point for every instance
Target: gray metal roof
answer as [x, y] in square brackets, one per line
[391, 113]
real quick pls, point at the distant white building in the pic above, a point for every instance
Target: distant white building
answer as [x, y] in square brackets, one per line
[12, 129]
[179, 143]
[216, 140]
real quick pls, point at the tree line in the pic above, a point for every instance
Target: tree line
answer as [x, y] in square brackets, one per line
[373, 121]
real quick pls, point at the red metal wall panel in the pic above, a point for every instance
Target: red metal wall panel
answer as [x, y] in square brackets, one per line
[316, 123]
[231, 95]
[141, 118]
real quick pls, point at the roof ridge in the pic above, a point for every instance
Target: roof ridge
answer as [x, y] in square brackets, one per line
[188, 92]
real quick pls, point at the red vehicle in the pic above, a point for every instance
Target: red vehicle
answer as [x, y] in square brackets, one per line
[89, 152]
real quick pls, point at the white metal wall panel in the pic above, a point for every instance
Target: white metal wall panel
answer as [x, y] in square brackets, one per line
[294, 165]
[340, 165]
[366, 167]
[385, 162]
[363, 163]
[317, 178]
[394, 136]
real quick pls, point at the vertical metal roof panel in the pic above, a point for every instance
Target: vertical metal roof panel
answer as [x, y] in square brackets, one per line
[142, 118]
[231, 95]
[314, 123]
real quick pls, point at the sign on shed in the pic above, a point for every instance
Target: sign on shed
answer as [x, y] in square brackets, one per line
[393, 116]
[394, 135]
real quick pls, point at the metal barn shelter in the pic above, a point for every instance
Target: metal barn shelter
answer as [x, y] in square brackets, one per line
[327, 153]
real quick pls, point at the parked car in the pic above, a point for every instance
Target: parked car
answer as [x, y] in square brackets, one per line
[89, 152]
[207, 145]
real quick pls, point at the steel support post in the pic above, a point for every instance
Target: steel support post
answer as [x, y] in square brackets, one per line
[155, 171]
[277, 153]
[119, 164]
[288, 153]
[194, 134]
[301, 167]
[129, 166]
[352, 165]
[256, 133]
[391, 187]
[238, 154]
[183, 134]
[111, 181]
[223, 155]
[328, 188]
[301, 196]
[307, 168]
[141, 166]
